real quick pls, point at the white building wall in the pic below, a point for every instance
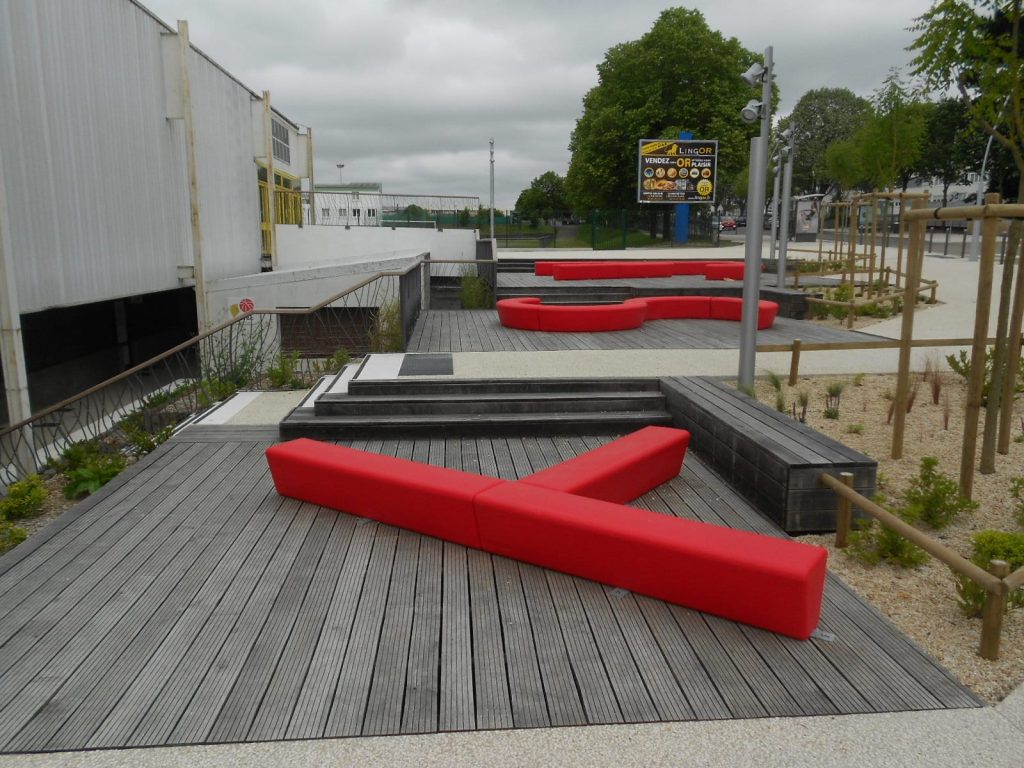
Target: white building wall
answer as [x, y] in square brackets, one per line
[86, 153]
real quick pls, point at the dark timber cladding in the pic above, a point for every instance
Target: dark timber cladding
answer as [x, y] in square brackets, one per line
[188, 603]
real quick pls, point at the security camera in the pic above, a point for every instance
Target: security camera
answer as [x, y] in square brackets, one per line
[786, 135]
[752, 112]
[754, 75]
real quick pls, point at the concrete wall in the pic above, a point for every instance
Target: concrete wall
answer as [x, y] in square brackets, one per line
[317, 246]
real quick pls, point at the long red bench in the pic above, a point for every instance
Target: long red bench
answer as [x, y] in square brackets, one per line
[615, 270]
[775, 584]
[529, 314]
[621, 470]
[771, 583]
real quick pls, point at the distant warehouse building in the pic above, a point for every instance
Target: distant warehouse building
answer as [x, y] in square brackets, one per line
[134, 172]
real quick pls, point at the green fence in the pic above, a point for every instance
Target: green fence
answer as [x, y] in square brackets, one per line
[615, 229]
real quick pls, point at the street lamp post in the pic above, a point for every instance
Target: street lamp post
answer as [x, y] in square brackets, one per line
[777, 173]
[787, 187]
[341, 168]
[755, 212]
[492, 191]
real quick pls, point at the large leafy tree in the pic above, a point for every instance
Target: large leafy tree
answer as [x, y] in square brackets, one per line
[544, 198]
[822, 117]
[891, 140]
[681, 75]
[978, 48]
[952, 146]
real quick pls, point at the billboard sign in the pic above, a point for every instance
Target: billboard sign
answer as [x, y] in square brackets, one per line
[677, 171]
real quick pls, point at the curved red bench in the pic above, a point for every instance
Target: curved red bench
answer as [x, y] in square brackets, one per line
[773, 583]
[614, 270]
[529, 314]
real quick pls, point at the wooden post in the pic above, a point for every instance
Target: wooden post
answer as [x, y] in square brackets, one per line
[844, 513]
[901, 233]
[915, 255]
[1012, 359]
[794, 362]
[874, 240]
[851, 313]
[975, 382]
[992, 613]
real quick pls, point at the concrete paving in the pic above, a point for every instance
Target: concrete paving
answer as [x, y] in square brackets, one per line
[988, 736]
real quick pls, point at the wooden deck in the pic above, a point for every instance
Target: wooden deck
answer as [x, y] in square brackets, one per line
[188, 603]
[480, 331]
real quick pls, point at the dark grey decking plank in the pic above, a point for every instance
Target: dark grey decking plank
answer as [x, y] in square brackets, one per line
[199, 716]
[470, 457]
[276, 708]
[422, 688]
[493, 706]
[720, 668]
[634, 700]
[457, 708]
[72, 631]
[436, 453]
[761, 678]
[349, 706]
[534, 456]
[235, 717]
[84, 700]
[84, 561]
[520, 461]
[809, 695]
[309, 717]
[404, 450]
[503, 459]
[145, 687]
[215, 614]
[485, 456]
[26, 578]
[526, 690]
[596, 692]
[650, 662]
[560, 692]
[690, 675]
[387, 691]
[421, 451]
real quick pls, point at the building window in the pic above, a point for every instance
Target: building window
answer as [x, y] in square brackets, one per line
[341, 211]
[326, 212]
[355, 212]
[279, 134]
[371, 213]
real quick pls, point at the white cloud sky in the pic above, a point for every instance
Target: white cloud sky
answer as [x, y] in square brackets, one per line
[407, 92]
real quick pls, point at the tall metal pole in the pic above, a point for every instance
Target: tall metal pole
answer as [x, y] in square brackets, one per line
[492, 190]
[787, 187]
[777, 171]
[755, 225]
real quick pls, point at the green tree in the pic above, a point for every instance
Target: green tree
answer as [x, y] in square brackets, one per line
[843, 164]
[890, 142]
[951, 147]
[544, 198]
[822, 117]
[681, 75]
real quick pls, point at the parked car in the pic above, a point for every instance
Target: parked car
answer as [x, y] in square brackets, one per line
[725, 224]
[741, 221]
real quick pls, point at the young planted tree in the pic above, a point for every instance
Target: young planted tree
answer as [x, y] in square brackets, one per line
[977, 47]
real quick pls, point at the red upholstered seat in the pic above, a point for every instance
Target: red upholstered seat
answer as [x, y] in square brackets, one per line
[724, 270]
[597, 317]
[519, 313]
[772, 583]
[678, 307]
[688, 267]
[431, 500]
[621, 470]
[611, 270]
[731, 308]
[543, 267]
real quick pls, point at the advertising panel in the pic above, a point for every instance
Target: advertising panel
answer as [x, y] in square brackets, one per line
[677, 171]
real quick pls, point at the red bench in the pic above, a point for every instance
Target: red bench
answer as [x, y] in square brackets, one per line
[771, 583]
[724, 270]
[621, 470]
[431, 500]
[529, 314]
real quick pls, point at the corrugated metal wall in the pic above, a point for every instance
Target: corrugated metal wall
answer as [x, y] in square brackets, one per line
[95, 173]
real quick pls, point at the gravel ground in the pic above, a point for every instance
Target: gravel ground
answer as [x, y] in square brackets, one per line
[922, 601]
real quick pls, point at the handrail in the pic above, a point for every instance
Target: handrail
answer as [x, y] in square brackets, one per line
[167, 354]
[997, 584]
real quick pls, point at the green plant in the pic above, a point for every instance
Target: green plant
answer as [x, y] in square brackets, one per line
[748, 391]
[11, 535]
[855, 429]
[332, 364]
[780, 402]
[282, 374]
[774, 380]
[474, 291]
[140, 438]
[935, 497]
[804, 399]
[1017, 492]
[24, 498]
[214, 390]
[858, 380]
[833, 392]
[872, 543]
[386, 334]
[93, 474]
[989, 546]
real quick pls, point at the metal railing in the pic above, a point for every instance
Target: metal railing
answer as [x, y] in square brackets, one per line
[997, 584]
[258, 349]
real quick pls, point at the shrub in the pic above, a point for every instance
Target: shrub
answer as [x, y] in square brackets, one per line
[92, 474]
[475, 292]
[855, 429]
[1017, 492]
[214, 390]
[386, 334]
[24, 498]
[833, 393]
[332, 364]
[935, 497]
[872, 543]
[989, 546]
[282, 374]
[11, 535]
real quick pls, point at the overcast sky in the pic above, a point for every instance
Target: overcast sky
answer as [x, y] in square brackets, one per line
[408, 92]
